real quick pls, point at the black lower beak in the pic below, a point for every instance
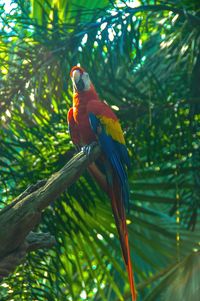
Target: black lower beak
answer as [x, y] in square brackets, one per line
[80, 85]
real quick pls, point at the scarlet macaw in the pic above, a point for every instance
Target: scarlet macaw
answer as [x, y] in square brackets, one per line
[90, 120]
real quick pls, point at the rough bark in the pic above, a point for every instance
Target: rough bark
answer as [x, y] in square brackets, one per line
[24, 213]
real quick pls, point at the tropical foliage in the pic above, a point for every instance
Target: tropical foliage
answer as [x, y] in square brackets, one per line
[144, 59]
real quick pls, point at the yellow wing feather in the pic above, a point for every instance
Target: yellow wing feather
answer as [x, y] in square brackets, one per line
[113, 128]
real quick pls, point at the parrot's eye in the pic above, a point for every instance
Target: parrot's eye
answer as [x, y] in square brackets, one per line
[80, 85]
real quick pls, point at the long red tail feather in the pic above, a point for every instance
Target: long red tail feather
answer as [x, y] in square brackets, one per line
[120, 220]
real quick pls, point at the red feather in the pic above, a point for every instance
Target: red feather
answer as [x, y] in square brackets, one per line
[120, 220]
[73, 128]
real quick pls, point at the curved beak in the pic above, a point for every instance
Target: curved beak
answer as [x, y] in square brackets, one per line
[77, 81]
[76, 76]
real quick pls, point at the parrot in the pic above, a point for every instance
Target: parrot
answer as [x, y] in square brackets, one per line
[91, 121]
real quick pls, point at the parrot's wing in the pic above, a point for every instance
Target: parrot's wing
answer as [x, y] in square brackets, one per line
[111, 126]
[106, 126]
[73, 129]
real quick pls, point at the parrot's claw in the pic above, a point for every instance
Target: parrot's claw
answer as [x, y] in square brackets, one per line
[86, 149]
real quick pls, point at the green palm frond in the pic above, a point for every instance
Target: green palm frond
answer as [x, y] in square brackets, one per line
[181, 282]
[143, 61]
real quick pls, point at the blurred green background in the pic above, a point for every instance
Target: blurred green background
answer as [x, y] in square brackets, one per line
[144, 60]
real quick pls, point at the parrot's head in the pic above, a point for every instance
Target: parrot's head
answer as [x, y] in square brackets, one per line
[80, 79]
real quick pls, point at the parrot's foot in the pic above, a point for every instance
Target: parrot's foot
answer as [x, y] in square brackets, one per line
[88, 148]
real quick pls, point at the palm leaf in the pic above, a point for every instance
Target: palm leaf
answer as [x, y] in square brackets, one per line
[148, 69]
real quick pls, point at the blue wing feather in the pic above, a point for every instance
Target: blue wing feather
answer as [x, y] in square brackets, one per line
[123, 153]
[116, 154]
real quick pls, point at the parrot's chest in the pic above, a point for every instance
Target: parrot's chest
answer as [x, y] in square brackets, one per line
[80, 116]
[83, 125]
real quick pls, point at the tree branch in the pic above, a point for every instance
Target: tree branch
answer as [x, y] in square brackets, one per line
[24, 213]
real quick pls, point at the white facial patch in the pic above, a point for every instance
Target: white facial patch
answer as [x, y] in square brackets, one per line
[86, 80]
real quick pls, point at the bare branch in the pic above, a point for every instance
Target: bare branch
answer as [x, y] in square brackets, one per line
[23, 214]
